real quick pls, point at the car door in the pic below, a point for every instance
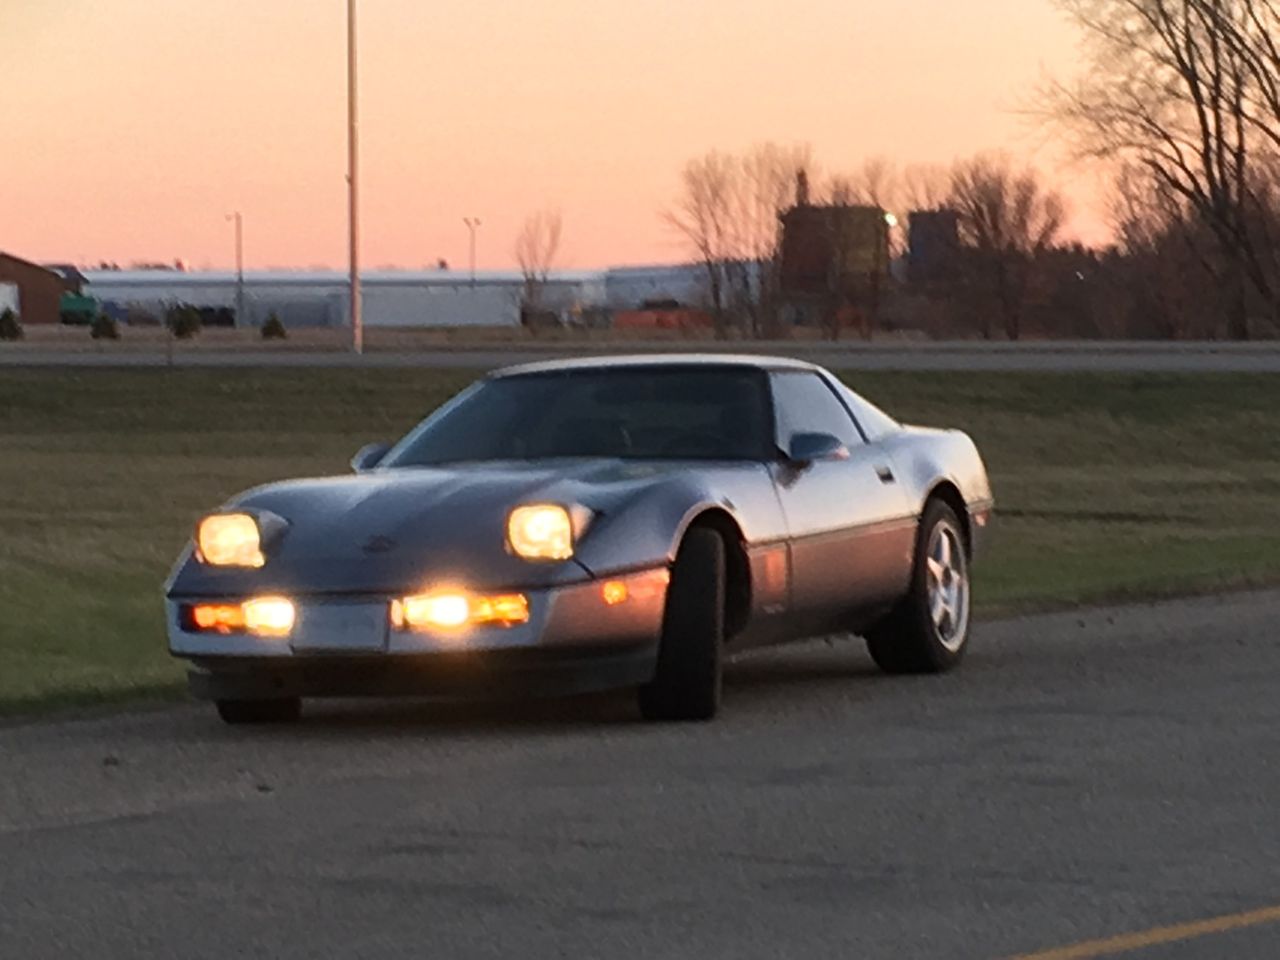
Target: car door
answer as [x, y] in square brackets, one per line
[851, 527]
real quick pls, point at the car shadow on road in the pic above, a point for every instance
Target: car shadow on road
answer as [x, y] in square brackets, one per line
[754, 683]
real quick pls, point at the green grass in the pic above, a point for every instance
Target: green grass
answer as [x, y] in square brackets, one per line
[1108, 486]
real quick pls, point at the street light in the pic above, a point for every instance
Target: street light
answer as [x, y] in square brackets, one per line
[239, 222]
[353, 185]
[473, 224]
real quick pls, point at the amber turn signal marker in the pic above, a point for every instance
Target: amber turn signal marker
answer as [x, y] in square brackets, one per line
[218, 617]
[614, 592]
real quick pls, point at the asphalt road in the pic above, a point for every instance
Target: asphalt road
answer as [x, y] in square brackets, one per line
[1082, 776]
[1112, 356]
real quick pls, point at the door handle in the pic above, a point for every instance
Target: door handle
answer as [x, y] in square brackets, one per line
[885, 473]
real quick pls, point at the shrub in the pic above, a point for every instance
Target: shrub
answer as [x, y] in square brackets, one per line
[10, 327]
[183, 321]
[274, 329]
[104, 327]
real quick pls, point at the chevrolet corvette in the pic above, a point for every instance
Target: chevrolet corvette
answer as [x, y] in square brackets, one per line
[567, 526]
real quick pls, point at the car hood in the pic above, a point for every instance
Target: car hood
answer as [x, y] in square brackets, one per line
[405, 528]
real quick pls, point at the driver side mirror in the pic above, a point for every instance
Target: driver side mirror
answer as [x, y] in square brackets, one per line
[369, 456]
[807, 448]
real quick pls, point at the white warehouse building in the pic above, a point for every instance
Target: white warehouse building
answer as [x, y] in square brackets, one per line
[392, 298]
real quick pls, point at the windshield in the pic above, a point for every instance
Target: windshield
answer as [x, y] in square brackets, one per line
[646, 413]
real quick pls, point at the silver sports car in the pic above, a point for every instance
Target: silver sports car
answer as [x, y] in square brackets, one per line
[587, 524]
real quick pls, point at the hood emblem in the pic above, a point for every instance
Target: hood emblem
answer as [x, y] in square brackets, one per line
[378, 544]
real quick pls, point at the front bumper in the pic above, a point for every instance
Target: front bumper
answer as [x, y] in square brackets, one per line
[344, 646]
[477, 675]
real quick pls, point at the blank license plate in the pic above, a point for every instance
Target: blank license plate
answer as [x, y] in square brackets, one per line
[341, 626]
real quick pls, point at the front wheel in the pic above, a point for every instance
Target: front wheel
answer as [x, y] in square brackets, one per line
[929, 629]
[282, 710]
[686, 684]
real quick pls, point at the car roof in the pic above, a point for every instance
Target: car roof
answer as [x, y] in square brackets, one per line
[671, 360]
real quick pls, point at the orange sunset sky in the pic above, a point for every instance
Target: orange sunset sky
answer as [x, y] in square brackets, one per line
[129, 128]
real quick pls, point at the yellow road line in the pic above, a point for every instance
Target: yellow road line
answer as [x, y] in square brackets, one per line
[1127, 943]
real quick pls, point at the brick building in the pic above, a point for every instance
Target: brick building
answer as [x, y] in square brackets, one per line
[39, 290]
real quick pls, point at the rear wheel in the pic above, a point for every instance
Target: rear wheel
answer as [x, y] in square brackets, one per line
[689, 675]
[929, 629]
[282, 710]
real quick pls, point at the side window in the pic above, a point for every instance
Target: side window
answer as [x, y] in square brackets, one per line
[803, 403]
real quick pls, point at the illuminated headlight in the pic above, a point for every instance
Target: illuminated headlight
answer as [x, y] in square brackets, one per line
[237, 539]
[545, 531]
[259, 617]
[230, 540]
[454, 609]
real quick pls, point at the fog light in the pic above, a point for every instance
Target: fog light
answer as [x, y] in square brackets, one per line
[452, 609]
[269, 617]
[444, 610]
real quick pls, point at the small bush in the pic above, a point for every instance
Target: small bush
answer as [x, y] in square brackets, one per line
[104, 328]
[183, 321]
[274, 329]
[10, 327]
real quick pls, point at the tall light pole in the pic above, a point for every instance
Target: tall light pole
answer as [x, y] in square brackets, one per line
[353, 181]
[473, 224]
[239, 222]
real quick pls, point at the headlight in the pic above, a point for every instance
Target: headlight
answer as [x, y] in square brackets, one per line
[238, 539]
[541, 531]
[230, 540]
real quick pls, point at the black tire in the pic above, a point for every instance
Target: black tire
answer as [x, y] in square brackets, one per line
[689, 676]
[282, 710]
[909, 640]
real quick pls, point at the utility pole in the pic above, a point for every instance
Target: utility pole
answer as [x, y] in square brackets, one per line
[353, 182]
[239, 222]
[473, 224]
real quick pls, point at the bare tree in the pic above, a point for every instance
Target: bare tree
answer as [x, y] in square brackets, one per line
[1008, 220]
[874, 183]
[1160, 268]
[765, 189]
[728, 213]
[1189, 90]
[924, 186]
[703, 216]
[536, 248]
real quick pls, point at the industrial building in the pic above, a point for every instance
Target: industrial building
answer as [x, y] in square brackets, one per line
[391, 298]
[31, 291]
[934, 248]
